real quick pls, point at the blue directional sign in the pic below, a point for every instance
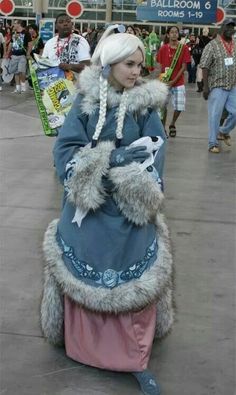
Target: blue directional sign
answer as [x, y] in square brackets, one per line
[46, 29]
[191, 11]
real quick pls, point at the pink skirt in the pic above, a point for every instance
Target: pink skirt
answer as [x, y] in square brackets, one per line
[120, 342]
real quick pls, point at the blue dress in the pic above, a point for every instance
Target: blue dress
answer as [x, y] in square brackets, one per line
[106, 240]
[116, 261]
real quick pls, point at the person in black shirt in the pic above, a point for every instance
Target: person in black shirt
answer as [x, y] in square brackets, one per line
[37, 42]
[191, 67]
[37, 46]
[20, 49]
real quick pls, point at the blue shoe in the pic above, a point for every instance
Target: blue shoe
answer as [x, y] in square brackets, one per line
[147, 382]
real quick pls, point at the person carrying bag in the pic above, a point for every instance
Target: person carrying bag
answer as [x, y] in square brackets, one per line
[173, 58]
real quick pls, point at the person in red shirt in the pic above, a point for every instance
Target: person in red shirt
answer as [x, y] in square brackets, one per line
[176, 83]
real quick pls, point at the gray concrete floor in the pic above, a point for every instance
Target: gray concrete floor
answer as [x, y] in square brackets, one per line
[198, 358]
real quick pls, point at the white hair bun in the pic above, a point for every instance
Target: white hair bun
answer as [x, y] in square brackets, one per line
[113, 48]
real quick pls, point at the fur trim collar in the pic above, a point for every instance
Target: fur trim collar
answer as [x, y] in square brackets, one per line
[149, 93]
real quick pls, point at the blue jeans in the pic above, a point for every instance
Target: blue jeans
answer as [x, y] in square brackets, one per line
[192, 71]
[219, 99]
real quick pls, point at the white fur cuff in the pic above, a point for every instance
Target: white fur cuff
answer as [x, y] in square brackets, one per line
[137, 195]
[85, 186]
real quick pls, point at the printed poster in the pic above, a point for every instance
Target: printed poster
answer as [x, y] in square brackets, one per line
[55, 92]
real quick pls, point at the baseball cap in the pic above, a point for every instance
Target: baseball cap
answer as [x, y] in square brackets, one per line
[229, 21]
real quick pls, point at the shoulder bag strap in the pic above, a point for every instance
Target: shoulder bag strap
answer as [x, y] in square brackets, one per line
[173, 63]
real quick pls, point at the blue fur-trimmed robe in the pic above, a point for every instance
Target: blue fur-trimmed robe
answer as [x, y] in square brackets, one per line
[119, 259]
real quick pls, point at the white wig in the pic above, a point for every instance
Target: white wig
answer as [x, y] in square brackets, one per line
[113, 48]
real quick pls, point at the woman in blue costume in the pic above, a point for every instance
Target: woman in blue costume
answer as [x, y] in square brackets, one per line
[108, 274]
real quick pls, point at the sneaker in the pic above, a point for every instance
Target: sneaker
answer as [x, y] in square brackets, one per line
[16, 91]
[0, 89]
[214, 150]
[224, 137]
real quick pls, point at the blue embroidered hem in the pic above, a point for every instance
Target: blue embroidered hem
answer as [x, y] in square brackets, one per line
[110, 278]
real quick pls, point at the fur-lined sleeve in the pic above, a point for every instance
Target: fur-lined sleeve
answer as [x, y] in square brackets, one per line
[71, 137]
[136, 193]
[84, 186]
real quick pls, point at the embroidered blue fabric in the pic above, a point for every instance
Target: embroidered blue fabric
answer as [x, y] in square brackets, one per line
[110, 278]
[70, 169]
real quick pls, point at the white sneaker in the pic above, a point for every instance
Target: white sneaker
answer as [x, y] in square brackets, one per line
[16, 91]
[23, 87]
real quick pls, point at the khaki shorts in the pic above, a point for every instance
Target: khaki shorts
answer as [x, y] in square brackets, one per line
[17, 64]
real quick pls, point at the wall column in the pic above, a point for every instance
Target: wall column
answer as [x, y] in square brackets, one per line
[40, 6]
[108, 11]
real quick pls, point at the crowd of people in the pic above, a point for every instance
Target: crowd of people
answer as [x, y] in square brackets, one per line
[19, 43]
[17, 40]
[173, 55]
[108, 279]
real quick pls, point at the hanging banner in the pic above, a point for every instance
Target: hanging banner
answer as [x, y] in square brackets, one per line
[187, 11]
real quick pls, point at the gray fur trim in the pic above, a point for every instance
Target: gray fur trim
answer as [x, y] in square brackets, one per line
[85, 186]
[165, 314]
[132, 296]
[165, 304]
[52, 310]
[149, 93]
[136, 193]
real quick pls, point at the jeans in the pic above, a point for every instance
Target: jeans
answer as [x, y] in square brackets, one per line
[192, 71]
[219, 99]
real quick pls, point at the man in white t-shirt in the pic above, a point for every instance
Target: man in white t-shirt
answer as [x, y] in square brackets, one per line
[69, 50]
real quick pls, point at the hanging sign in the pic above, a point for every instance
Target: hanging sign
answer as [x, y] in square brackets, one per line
[187, 11]
[7, 7]
[74, 9]
[220, 15]
[46, 29]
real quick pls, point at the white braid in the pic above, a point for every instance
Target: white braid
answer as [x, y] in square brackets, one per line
[121, 115]
[103, 107]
